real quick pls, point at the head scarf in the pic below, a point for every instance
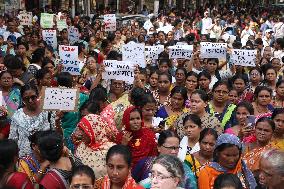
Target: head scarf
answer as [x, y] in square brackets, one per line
[228, 139]
[126, 120]
[96, 129]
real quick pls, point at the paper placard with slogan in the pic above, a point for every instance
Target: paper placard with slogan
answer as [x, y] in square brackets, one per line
[69, 58]
[181, 51]
[49, 36]
[26, 18]
[46, 20]
[134, 52]
[110, 22]
[243, 57]
[152, 52]
[73, 35]
[120, 70]
[1, 98]
[60, 99]
[213, 50]
[61, 24]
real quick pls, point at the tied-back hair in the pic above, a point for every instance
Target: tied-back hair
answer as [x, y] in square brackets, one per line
[173, 165]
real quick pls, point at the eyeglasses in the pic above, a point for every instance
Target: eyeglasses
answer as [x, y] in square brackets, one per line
[81, 186]
[175, 148]
[254, 74]
[159, 176]
[27, 98]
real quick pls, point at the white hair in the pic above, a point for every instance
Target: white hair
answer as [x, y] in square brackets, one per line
[275, 159]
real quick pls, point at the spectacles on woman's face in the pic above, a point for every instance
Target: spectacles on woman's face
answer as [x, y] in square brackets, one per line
[32, 97]
[158, 176]
[81, 186]
[175, 148]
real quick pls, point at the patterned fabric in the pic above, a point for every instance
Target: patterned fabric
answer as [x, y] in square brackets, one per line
[22, 126]
[247, 95]
[113, 113]
[129, 184]
[12, 101]
[228, 139]
[194, 164]
[169, 120]
[30, 166]
[207, 122]
[156, 95]
[252, 157]
[94, 153]
[225, 116]
[209, 173]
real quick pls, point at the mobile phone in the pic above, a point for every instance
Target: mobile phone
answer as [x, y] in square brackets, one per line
[251, 121]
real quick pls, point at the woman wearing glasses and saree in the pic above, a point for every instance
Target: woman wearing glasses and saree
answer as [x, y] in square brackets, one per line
[168, 144]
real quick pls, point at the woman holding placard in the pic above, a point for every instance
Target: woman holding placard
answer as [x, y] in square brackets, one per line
[29, 119]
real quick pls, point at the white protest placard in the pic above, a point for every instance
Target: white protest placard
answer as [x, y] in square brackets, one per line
[243, 57]
[134, 52]
[180, 51]
[213, 50]
[73, 35]
[26, 18]
[69, 58]
[110, 22]
[61, 24]
[119, 70]
[60, 99]
[46, 20]
[152, 52]
[49, 36]
[166, 29]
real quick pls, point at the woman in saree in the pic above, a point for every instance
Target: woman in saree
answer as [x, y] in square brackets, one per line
[33, 164]
[226, 159]
[170, 113]
[168, 144]
[219, 105]
[240, 83]
[199, 100]
[263, 131]
[242, 128]
[262, 102]
[118, 162]
[92, 142]
[11, 95]
[113, 112]
[278, 100]
[136, 136]
[204, 156]
[278, 134]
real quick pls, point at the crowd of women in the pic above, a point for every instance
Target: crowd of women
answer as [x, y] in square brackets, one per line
[201, 123]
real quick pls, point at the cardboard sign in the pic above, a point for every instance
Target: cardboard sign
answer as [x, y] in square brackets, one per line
[166, 29]
[213, 50]
[243, 57]
[73, 35]
[69, 58]
[60, 99]
[46, 20]
[119, 70]
[181, 51]
[134, 52]
[49, 36]
[26, 18]
[110, 22]
[61, 24]
[152, 52]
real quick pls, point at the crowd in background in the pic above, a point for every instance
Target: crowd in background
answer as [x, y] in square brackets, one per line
[199, 123]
